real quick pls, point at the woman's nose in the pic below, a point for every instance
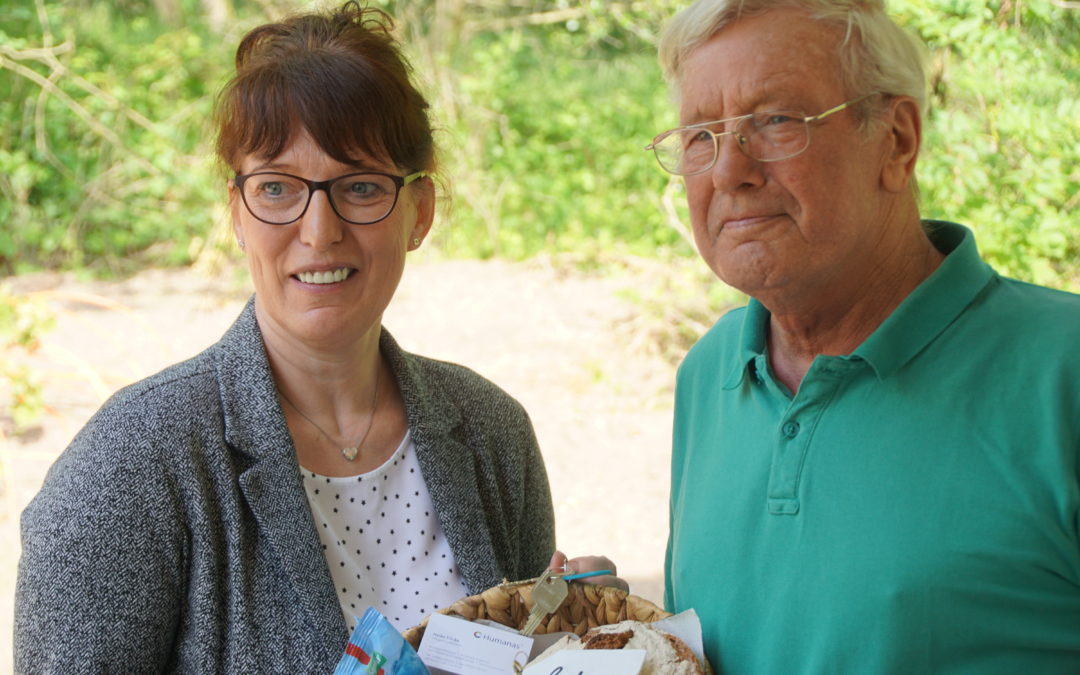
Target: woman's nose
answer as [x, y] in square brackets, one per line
[321, 227]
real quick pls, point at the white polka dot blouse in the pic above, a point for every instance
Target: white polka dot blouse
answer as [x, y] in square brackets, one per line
[383, 541]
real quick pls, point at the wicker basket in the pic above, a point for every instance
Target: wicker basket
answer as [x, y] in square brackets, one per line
[586, 606]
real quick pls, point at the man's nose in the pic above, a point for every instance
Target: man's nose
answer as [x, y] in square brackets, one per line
[733, 167]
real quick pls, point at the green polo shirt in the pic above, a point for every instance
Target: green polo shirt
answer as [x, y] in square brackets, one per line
[914, 508]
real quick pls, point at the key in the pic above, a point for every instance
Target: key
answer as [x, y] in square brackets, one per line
[547, 596]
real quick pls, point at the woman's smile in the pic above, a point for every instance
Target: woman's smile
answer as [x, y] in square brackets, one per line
[325, 277]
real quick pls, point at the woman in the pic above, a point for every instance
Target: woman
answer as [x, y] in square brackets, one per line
[235, 512]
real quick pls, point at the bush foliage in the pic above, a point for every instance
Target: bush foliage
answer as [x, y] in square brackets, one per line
[544, 107]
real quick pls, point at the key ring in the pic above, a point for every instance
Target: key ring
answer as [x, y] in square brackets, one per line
[585, 575]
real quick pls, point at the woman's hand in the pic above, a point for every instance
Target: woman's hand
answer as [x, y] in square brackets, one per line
[589, 563]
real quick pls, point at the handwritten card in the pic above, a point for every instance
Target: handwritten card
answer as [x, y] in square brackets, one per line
[590, 662]
[461, 647]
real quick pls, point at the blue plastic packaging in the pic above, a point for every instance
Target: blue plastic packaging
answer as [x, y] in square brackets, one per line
[375, 648]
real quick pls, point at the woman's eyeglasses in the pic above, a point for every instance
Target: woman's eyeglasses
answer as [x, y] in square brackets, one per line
[358, 198]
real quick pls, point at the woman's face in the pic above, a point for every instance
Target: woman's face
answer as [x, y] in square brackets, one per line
[322, 280]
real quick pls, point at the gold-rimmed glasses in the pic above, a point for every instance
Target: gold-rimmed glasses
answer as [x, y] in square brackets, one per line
[768, 136]
[360, 198]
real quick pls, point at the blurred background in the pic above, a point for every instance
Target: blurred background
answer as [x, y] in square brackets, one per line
[543, 108]
[561, 265]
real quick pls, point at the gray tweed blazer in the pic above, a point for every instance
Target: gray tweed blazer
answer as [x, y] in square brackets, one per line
[174, 533]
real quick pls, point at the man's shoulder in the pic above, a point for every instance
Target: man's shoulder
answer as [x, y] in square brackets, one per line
[1039, 297]
[1032, 309]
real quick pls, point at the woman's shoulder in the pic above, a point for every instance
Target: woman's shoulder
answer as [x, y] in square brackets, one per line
[122, 454]
[460, 382]
[146, 418]
[432, 382]
[170, 392]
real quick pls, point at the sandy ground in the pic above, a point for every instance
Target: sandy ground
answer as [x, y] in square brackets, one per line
[557, 342]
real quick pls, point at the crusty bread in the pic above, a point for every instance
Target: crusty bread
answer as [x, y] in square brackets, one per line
[683, 653]
[665, 654]
[596, 640]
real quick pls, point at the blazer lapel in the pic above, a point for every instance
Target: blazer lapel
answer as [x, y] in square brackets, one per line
[271, 483]
[449, 468]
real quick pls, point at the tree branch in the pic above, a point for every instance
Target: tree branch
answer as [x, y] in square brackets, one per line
[47, 56]
[676, 223]
[75, 107]
[536, 19]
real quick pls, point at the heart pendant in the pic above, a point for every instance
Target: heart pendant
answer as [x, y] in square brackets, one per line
[350, 453]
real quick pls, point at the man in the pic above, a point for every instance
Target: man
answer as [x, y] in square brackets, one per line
[875, 463]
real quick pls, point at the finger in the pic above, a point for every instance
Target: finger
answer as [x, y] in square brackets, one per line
[608, 580]
[590, 563]
[558, 560]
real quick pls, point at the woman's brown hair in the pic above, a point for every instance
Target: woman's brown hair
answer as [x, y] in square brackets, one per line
[341, 76]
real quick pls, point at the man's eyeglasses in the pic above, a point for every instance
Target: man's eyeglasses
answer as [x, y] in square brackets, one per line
[764, 136]
[358, 198]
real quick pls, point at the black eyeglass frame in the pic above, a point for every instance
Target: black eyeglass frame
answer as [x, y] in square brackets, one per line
[325, 185]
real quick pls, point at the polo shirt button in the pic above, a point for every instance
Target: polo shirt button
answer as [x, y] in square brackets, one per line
[790, 429]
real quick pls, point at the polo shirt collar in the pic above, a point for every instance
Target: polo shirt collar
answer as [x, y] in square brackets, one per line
[920, 318]
[934, 304]
[751, 342]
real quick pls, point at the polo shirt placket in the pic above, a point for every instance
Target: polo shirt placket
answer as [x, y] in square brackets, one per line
[795, 429]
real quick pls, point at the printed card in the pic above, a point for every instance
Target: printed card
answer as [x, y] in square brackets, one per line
[590, 662]
[462, 647]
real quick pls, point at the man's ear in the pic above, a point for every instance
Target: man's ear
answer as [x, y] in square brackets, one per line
[905, 137]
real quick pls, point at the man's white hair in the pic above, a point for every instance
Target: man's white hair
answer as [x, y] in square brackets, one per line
[876, 55]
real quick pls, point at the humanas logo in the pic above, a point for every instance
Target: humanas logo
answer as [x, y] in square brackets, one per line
[492, 638]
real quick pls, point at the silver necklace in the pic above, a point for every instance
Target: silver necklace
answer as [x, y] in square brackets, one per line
[349, 452]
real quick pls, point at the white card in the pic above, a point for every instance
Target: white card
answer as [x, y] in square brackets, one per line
[590, 662]
[452, 645]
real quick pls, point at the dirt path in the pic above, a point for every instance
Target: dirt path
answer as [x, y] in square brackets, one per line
[554, 341]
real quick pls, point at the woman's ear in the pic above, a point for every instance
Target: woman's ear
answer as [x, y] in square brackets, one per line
[425, 211]
[234, 212]
[905, 135]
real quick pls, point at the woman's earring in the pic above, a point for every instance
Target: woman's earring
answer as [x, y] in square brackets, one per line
[416, 242]
[240, 242]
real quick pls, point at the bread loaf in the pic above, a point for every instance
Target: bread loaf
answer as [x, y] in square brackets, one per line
[665, 654]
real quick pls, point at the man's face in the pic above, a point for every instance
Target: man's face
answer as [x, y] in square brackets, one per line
[804, 225]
